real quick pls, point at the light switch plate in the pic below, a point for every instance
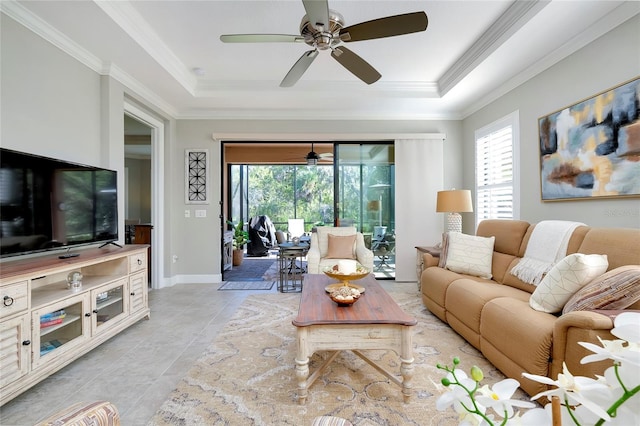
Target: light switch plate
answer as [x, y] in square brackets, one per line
[201, 213]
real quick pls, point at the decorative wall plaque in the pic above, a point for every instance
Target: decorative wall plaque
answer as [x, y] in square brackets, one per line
[197, 176]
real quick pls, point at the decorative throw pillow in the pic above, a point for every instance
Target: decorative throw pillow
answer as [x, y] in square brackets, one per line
[340, 246]
[470, 254]
[616, 289]
[565, 278]
[444, 249]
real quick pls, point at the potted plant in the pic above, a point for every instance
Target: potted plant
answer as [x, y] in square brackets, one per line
[240, 239]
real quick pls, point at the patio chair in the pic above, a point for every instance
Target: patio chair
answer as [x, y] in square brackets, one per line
[320, 257]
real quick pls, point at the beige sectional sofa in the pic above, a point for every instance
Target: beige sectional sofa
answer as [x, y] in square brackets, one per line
[495, 317]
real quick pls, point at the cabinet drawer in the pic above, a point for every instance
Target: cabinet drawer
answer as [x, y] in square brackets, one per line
[137, 262]
[13, 298]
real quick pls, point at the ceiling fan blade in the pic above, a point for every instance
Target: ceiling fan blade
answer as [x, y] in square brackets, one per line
[317, 12]
[299, 68]
[261, 38]
[354, 63]
[385, 27]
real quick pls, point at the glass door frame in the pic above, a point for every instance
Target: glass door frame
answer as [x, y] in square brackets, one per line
[375, 192]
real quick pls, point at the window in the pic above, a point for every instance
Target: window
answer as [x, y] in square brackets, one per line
[496, 170]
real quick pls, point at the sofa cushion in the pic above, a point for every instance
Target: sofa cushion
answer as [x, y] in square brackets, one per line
[341, 246]
[565, 278]
[509, 234]
[616, 289]
[465, 300]
[517, 339]
[433, 285]
[470, 254]
[621, 245]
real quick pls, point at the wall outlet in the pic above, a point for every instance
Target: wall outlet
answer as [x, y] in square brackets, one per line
[187, 213]
[201, 213]
[174, 258]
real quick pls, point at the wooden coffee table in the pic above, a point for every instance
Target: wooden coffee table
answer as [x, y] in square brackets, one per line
[373, 322]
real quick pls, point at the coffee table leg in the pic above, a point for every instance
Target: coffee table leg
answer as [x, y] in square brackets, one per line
[406, 366]
[302, 365]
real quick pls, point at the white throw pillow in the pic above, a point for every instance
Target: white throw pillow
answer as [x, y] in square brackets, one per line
[470, 254]
[565, 278]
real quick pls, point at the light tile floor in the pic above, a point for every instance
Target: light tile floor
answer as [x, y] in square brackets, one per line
[138, 368]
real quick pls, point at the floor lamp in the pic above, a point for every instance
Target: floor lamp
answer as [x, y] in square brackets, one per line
[454, 202]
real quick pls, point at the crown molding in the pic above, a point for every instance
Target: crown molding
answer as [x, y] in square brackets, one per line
[316, 115]
[505, 26]
[264, 137]
[133, 85]
[127, 17]
[214, 89]
[615, 18]
[35, 24]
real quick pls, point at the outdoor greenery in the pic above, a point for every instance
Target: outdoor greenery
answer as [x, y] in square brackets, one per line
[282, 192]
[240, 236]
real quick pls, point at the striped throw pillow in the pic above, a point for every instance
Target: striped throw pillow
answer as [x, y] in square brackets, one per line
[616, 289]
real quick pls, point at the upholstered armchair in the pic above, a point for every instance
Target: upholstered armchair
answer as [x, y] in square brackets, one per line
[330, 244]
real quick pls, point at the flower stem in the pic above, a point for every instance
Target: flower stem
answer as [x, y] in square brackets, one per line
[614, 408]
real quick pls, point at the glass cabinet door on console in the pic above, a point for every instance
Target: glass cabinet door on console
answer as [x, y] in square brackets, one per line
[108, 305]
[59, 327]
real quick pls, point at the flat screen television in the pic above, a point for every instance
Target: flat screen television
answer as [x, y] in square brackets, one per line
[49, 204]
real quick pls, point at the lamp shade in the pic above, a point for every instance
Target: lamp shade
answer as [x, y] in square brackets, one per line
[455, 201]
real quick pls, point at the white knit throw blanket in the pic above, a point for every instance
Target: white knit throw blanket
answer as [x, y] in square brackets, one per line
[547, 245]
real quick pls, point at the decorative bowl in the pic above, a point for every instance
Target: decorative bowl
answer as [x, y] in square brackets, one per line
[333, 272]
[345, 295]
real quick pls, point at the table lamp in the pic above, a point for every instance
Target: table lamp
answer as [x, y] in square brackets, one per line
[454, 202]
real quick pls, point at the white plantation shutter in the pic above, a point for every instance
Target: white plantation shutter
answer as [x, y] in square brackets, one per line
[495, 170]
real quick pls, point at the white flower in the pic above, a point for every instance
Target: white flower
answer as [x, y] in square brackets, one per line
[458, 398]
[535, 417]
[627, 327]
[573, 388]
[610, 349]
[499, 398]
[456, 395]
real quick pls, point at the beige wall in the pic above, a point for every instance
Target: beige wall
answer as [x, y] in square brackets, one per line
[197, 240]
[607, 62]
[50, 103]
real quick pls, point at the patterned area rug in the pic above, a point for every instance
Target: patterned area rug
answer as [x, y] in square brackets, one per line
[251, 269]
[247, 376]
[247, 285]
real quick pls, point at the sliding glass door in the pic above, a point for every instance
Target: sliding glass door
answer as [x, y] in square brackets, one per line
[283, 192]
[364, 188]
[356, 190]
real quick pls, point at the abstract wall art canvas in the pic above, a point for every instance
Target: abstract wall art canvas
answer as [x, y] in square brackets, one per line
[591, 149]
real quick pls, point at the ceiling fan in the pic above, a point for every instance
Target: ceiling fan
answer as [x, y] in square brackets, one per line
[313, 157]
[323, 29]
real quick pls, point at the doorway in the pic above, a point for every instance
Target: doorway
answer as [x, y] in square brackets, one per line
[356, 189]
[144, 163]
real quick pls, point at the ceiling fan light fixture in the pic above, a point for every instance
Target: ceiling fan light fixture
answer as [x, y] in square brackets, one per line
[312, 158]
